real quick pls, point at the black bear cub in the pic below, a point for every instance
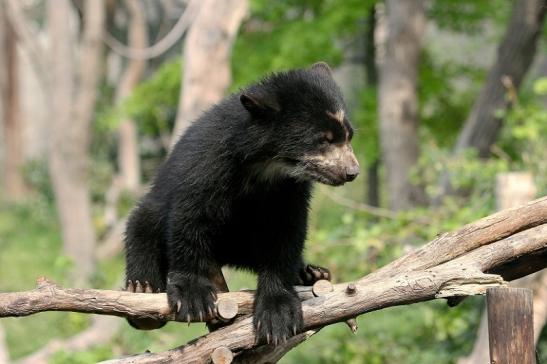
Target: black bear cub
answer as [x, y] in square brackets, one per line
[235, 191]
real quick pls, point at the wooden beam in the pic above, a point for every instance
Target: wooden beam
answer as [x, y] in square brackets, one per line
[510, 325]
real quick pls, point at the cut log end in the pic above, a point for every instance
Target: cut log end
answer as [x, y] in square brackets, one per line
[227, 308]
[222, 355]
[322, 287]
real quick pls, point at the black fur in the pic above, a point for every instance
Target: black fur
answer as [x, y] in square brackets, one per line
[235, 191]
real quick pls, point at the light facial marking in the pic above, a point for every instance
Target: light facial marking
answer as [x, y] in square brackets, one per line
[338, 116]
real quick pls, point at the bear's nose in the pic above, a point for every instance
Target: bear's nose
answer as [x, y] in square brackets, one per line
[352, 173]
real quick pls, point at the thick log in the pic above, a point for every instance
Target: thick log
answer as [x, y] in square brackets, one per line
[451, 245]
[47, 296]
[461, 276]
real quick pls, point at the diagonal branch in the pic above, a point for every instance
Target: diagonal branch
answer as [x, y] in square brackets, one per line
[451, 245]
[503, 246]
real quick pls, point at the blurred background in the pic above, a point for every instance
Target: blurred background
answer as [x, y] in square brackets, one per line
[448, 97]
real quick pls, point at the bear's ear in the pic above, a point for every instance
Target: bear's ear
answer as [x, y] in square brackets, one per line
[258, 105]
[322, 67]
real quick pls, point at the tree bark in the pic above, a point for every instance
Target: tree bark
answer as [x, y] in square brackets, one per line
[13, 181]
[71, 117]
[398, 101]
[206, 66]
[371, 70]
[128, 147]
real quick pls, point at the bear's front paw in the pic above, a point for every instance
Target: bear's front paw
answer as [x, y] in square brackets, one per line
[277, 317]
[309, 274]
[190, 297]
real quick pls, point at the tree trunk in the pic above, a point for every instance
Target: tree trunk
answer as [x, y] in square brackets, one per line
[128, 148]
[371, 70]
[70, 117]
[13, 182]
[398, 101]
[206, 66]
[515, 54]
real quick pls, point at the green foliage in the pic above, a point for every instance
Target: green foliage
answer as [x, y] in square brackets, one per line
[30, 246]
[366, 142]
[468, 173]
[540, 86]
[36, 175]
[431, 333]
[524, 138]
[91, 356]
[444, 103]
[152, 104]
[291, 34]
[468, 16]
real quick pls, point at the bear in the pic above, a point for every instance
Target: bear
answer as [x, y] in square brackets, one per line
[235, 191]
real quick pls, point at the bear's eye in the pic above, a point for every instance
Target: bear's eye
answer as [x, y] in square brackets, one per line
[328, 137]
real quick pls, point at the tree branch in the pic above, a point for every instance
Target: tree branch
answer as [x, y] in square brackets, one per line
[162, 45]
[506, 245]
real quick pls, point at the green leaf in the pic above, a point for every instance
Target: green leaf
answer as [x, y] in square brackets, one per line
[540, 86]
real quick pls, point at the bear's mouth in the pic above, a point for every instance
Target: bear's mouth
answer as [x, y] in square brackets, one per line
[323, 175]
[306, 169]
